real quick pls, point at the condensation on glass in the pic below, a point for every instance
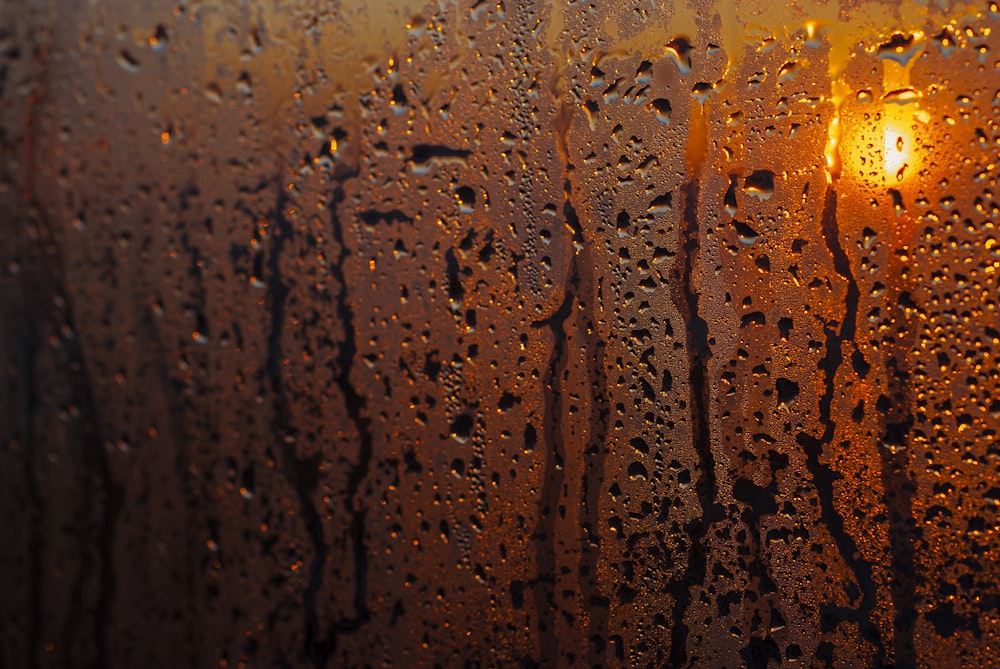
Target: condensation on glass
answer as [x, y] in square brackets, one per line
[499, 333]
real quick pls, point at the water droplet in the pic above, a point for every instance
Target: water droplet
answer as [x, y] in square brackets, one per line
[900, 48]
[760, 184]
[679, 51]
[745, 233]
[661, 107]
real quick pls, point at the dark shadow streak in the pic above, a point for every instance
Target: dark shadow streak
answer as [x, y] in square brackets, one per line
[552, 483]
[357, 409]
[301, 473]
[593, 600]
[699, 353]
[50, 282]
[823, 476]
[899, 487]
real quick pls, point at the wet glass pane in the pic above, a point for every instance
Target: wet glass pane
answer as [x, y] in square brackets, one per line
[499, 333]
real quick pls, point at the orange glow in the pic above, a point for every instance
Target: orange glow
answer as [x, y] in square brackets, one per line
[833, 151]
[898, 155]
[881, 151]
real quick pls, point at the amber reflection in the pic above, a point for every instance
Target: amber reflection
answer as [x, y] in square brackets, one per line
[500, 334]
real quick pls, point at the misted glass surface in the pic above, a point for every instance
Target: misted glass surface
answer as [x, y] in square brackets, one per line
[499, 333]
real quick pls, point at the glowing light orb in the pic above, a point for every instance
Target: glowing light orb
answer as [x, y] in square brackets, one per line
[897, 151]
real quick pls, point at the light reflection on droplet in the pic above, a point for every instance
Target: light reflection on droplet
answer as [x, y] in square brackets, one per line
[896, 151]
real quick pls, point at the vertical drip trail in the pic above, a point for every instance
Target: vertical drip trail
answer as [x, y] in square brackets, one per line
[582, 270]
[36, 539]
[577, 283]
[580, 281]
[97, 461]
[594, 602]
[552, 483]
[49, 277]
[357, 409]
[899, 487]
[823, 476]
[177, 435]
[699, 353]
[45, 273]
[302, 474]
[85, 571]
[113, 496]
